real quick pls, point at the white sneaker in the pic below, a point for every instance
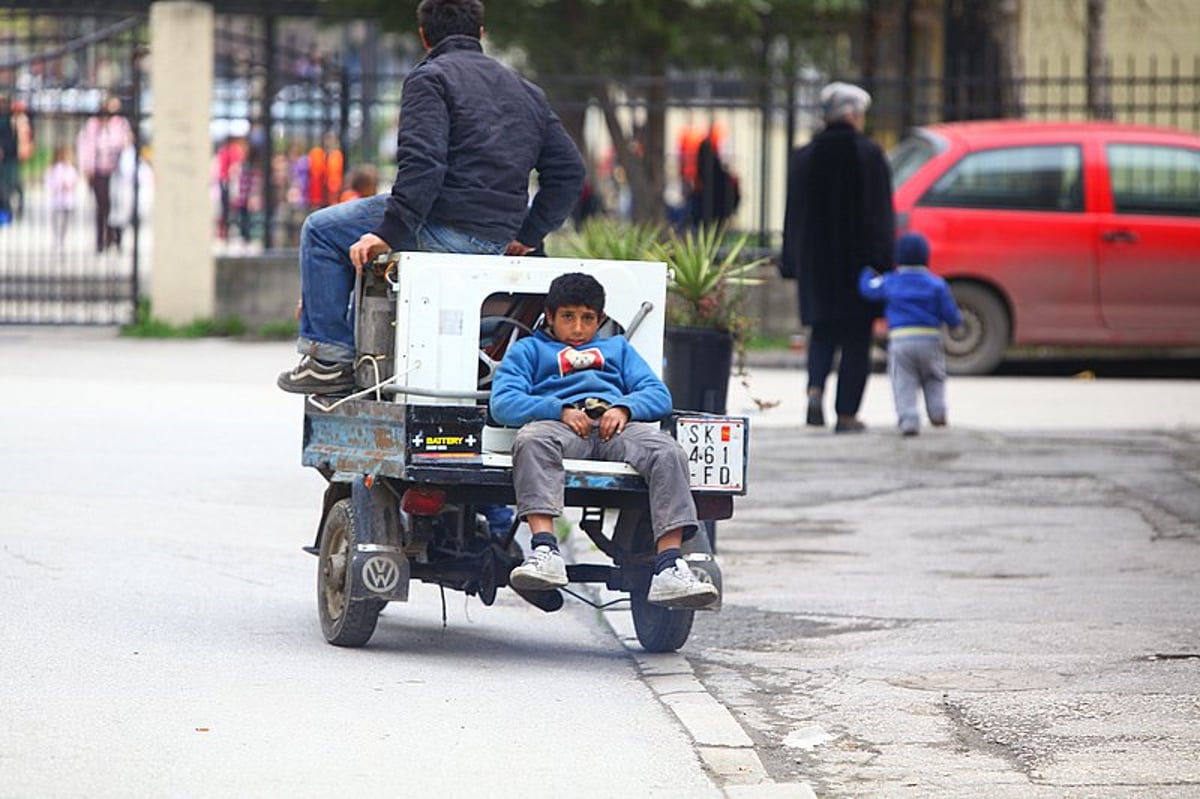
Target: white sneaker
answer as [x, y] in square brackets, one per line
[543, 569]
[678, 587]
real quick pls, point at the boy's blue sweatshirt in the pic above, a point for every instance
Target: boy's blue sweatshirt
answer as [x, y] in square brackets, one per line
[914, 297]
[539, 375]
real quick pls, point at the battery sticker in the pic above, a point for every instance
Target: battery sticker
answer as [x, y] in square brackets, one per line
[444, 441]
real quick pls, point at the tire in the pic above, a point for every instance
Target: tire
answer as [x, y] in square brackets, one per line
[659, 629]
[344, 621]
[987, 330]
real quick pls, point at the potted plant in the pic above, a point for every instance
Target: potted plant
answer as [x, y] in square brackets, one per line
[706, 291]
[706, 294]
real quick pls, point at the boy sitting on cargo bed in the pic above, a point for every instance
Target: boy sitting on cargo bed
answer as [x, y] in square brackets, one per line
[574, 395]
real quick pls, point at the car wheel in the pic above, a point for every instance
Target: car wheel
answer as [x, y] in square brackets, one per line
[979, 346]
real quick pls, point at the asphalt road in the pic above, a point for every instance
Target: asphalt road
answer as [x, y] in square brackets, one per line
[160, 638]
[1003, 608]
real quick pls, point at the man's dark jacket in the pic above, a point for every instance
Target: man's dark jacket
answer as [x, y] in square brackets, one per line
[471, 129]
[839, 218]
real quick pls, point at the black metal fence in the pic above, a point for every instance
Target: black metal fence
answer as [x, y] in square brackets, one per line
[55, 74]
[302, 118]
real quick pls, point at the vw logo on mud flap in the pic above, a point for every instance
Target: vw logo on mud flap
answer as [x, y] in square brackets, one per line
[380, 574]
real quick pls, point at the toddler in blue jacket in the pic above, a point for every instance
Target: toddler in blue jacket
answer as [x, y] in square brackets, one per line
[917, 304]
[574, 396]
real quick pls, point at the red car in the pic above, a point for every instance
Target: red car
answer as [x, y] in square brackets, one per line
[1061, 234]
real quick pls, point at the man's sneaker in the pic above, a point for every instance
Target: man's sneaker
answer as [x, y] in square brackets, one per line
[313, 377]
[678, 587]
[542, 570]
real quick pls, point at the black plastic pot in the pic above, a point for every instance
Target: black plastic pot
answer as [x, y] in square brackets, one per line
[696, 366]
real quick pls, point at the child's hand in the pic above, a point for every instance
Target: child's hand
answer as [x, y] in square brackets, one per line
[578, 421]
[613, 421]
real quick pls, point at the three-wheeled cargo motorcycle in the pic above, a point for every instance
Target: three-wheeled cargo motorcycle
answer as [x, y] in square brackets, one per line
[411, 456]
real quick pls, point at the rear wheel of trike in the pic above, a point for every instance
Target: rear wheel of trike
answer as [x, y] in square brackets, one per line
[344, 621]
[659, 629]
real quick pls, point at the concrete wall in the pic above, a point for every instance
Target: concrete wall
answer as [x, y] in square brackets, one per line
[258, 289]
[261, 289]
[774, 306]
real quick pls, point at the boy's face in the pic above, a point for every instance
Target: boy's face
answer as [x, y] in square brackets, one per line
[574, 324]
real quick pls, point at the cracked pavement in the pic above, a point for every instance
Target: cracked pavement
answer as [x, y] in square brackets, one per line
[968, 613]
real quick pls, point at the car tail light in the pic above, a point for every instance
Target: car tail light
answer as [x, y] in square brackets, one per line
[423, 501]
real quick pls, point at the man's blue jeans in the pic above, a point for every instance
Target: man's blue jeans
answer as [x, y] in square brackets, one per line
[327, 276]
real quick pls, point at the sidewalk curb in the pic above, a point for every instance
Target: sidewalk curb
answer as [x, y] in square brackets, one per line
[723, 746]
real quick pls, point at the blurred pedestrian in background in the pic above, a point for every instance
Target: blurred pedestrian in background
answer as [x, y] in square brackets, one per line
[715, 193]
[839, 218]
[62, 181]
[128, 201]
[98, 150]
[226, 162]
[364, 182]
[23, 129]
[246, 191]
[8, 159]
[917, 303]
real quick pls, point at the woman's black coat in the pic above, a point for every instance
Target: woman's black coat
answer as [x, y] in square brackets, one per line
[839, 219]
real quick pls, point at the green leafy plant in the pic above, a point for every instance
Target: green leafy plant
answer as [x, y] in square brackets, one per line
[708, 278]
[610, 239]
[146, 325]
[284, 329]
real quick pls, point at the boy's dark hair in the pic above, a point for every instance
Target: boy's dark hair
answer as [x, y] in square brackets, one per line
[442, 18]
[575, 288]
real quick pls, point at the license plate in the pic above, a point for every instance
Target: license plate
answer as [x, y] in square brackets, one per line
[716, 452]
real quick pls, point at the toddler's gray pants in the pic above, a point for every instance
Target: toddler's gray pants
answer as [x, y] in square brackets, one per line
[917, 363]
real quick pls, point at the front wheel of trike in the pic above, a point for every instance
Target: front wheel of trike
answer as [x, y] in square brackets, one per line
[344, 621]
[659, 629]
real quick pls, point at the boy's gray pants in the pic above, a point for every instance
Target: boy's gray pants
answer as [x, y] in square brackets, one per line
[538, 474]
[917, 363]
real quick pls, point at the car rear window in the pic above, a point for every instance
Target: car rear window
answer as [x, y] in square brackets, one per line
[1154, 179]
[909, 155]
[1035, 178]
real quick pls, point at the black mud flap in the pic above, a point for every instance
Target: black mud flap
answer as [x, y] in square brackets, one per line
[380, 571]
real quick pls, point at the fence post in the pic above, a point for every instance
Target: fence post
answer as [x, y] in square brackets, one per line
[183, 282]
